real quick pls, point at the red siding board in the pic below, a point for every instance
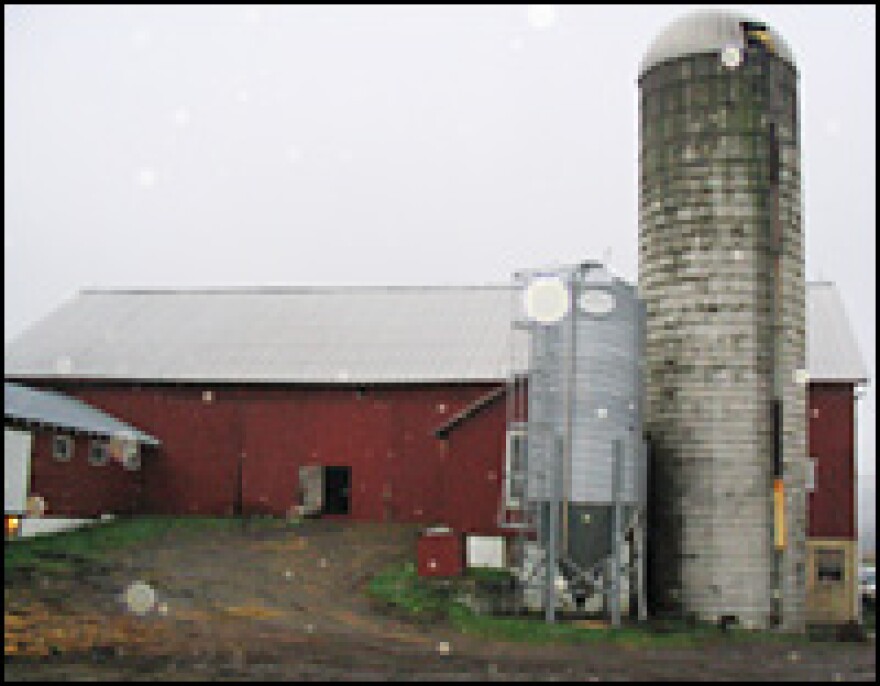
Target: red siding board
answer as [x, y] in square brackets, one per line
[76, 488]
[269, 442]
[195, 469]
[831, 441]
[383, 433]
[474, 471]
[400, 471]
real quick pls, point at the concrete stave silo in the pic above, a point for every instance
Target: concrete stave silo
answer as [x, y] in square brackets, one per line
[721, 274]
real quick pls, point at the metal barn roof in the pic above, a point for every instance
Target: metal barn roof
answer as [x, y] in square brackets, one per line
[53, 409]
[705, 31]
[832, 351]
[295, 335]
[326, 335]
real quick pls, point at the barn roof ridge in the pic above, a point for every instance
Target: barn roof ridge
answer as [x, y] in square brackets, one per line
[330, 334]
[293, 289]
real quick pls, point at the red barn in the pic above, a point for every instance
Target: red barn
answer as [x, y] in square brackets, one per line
[836, 370]
[65, 460]
[382, 404]
[274, 401]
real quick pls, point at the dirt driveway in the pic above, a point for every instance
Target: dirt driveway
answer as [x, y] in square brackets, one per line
[289, 604]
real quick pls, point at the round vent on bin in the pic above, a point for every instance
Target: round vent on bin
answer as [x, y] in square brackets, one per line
[547, 299]
[596, 301]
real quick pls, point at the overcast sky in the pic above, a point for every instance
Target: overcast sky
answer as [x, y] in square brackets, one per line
[270, 145]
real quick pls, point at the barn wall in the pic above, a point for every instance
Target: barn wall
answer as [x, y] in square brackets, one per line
[832, 601]
[384, 433]
[193, 471]
[400, 472]
[77, 488]
[831, 444]
[474, 470]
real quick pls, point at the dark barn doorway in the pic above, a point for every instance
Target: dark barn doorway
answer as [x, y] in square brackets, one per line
[337, 490]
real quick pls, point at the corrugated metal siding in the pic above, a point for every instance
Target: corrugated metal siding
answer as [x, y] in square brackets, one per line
[832, 503]
[605, 396]
[342, 335]
[606, 380]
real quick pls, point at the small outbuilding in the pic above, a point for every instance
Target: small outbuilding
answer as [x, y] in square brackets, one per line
[65, 461]
[837, 376]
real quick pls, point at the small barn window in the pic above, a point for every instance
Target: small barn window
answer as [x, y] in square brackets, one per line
[62, 448]
[829, 566]
[131, 456]
[99, 452]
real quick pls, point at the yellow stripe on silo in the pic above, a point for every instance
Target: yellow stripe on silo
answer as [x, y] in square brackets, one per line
[779, 513]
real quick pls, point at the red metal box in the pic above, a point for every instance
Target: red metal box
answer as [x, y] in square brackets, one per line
[439, 552]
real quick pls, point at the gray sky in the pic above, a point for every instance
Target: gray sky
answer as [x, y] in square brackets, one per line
[265, 145]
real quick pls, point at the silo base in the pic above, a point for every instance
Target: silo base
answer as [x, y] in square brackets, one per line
[572, 596]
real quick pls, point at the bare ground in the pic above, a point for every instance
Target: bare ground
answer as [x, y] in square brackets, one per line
[289, 604]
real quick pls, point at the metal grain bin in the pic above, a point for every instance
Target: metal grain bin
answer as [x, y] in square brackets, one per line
[597, 345]
[586, 452]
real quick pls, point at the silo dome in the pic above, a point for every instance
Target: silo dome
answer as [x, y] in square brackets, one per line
[709, 31]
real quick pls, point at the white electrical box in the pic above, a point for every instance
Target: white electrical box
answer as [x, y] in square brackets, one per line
[486, 551]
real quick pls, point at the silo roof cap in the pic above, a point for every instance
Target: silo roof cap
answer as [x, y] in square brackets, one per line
[707, 31]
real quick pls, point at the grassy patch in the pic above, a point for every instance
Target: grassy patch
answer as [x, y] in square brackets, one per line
[869, 616]
[61, 551]
[427, 599]
[401, 587]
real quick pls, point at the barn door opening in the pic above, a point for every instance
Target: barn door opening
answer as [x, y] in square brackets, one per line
[337, 490]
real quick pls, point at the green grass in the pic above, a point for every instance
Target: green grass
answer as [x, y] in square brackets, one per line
[426, 599]
[94, 543]
[869, 617]
[401, 587]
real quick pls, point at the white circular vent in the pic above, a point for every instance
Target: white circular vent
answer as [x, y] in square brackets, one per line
[596, 301]
[547, 299]
[731, 56]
